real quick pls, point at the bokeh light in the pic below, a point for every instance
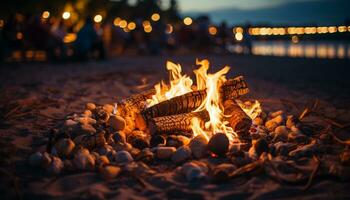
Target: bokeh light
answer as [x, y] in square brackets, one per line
[66, 15]
[131, 26]
[155, 17]
[212, 30]
[45, 15]
[187, 21]
[239, 36]
[98, 18]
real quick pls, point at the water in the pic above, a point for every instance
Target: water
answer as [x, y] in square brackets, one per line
[306, 49]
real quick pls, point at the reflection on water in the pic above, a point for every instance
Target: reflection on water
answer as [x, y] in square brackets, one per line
[312, 49]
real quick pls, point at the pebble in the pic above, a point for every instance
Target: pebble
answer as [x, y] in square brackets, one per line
[87, 129]
[222, 171]
[291, 121]
[90, 106]
[157, 140]
[110, 172]
[177, 141]
[108, 108]
[181, 155]
[281, 130]
[260, 146]
[64, 147]
[258, 121]
[35, 159]
[146, 156]
[139, 143]
[123, 157]
[46, 160]
[117, 122]
[271, 125]
[164, 152]
[87, 113]
[70, 122]
[103, 150]
[193, 172]
[198, 146]
[56, 165]
[102, 161]
[140, 123]
[219, 144]
[119, 137]
[276, 113]
[83, 160]
[86, 120]
[102, 115]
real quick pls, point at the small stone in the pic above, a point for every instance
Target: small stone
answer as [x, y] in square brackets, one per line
[140, 123]
[260, 146]
[177, 141]
[271, 125]
[146, 156]
[164, 152]
[117, 123]
[222, 171]
[281, 130]
[90, 106]
[46, 160]
[181, 154]
[139, 143]
[184, 140]
[87, 129]
[193, 172]
[70, 122]
[292, 121]
[276, 113]
[102, 161]
[56, 166]
[123, 157]
[108, 108]
[198, 146]
[110, 172]
[119, 137]
[83, 160]
[157, 140]
[86, 120]
[87, 113]
[103, 150]
[258, 121]
[102, 115]
[219, 144]
[64, 147]
[35, 159]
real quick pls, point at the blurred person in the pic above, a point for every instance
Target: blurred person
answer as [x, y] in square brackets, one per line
[223, 35]
[87, 41]
[247, 41]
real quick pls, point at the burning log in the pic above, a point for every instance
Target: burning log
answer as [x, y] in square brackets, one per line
[134, 103]
[188, 102]
[173, 124]
[238, 119]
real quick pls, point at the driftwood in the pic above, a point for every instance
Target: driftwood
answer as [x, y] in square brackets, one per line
[189, 102]
[238, 119]
[175, 124]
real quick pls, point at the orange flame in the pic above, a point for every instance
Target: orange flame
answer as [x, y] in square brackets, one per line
[182, 84]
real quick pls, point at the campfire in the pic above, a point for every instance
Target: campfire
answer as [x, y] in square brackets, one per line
[187, 122]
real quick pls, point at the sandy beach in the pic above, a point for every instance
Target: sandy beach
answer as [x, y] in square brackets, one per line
[48, 92]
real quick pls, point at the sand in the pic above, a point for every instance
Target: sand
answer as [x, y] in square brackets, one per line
[49, 92]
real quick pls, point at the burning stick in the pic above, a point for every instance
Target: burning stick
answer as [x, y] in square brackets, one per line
[186, 103]
[175, 123]
[238, 119]
[134, 103]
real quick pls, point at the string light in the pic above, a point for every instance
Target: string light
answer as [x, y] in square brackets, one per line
[155, 17]
[123, 24]
[187, 21]
[45, 15]
[116, 21]
[131, 26]
[66, 15]
[98, 18]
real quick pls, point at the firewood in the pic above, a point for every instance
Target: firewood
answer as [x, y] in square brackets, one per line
[238, 119]
[188, 102]
[135, 103]
[233, 88]
[175, 124]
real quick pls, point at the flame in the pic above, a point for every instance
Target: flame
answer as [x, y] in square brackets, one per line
[179, 85]
[212, 83]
